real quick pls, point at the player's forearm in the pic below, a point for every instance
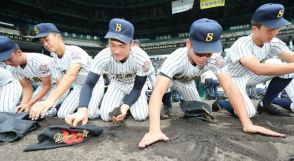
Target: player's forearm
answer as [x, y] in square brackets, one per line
[154, 110]
[238, 104]
[40, 95]
[64, 85]
[274, 69]
[26, 94]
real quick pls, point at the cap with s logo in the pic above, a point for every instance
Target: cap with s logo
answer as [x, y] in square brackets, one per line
[121, 30]
[43, 29]
[270, 15]
[205, 36]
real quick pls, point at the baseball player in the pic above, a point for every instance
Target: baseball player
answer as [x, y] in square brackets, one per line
[75, 63]
[166, 110]
[183, 65]
[27, 68]
[10, 91]
[129, 65]
[247, 55]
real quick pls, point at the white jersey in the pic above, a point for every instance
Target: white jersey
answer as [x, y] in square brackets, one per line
[122, 82]
[74, 55]
[178, 67]
[5, 77]
[245, 46]
[138, 63]
[38, 66]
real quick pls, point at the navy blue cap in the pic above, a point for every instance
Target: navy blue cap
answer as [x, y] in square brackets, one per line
[6, 48]
[270, 15]
[205, 36]
[120, 29]
[43, 29]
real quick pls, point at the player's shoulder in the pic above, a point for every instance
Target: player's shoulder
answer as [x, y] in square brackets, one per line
[243, 40]
[276, 40]
[106, 52]
[38, 58]
[139, 52]
[75, 50]
[103, 56]
[178, 54]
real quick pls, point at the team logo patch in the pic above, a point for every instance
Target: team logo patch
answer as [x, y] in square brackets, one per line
[70, 137]
[146, 66]
[209, 37]
[118, 27]
[280, 13]
[36, 30]
[44, 68]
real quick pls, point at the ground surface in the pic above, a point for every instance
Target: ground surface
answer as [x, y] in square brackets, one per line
[190, 140]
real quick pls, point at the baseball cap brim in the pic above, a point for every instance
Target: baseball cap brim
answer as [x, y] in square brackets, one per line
[204, 47]
[41, 35]
[6, 55]
[120, 37]
[276, 23]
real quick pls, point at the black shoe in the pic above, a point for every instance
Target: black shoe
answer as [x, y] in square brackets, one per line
[216, 106]
[165, 113]
[272, 110]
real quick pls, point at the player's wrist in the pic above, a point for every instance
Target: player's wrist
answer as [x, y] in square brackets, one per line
[124, 108]
[83, 110]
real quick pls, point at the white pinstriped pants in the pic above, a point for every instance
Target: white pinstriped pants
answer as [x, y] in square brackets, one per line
[9, 96]
[253, 79]
[114, 96]
[71, 102]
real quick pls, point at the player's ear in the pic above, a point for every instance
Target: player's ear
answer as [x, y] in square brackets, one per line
[188, 43]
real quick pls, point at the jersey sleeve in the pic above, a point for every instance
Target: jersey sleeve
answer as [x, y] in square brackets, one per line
[277, 47]
[142, 61]
[100, 62]
[78, 56]
[172, 65]
[240, 49]
[216, 64]
[17, 75]
[42, 69]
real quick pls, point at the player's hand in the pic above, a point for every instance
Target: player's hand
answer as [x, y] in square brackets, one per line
[81, 116]
[23, 108]
[262, 130]
[152, 137]
[124, 108]
[39, 109]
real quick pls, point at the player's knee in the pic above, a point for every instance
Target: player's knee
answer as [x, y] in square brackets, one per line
[140, 118]
[93, 115]
[61, 115]
[105, 117]
[251, 113]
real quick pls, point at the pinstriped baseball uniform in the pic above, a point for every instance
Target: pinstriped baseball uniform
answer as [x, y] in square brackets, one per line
[242, 76]
[178, 68]
[76, 55]
[38, 66]
[138, 63]
[10, 91]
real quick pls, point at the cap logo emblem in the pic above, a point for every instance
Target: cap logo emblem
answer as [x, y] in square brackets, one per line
[118, 27]
[280, 13]
[36, 30]
[209, 36]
